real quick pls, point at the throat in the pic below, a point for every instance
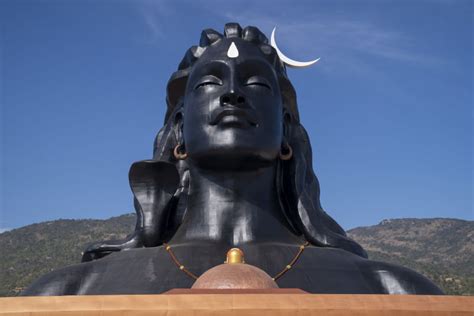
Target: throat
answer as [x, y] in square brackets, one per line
[234, 208]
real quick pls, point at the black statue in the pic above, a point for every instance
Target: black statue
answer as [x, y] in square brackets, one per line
[232, 167]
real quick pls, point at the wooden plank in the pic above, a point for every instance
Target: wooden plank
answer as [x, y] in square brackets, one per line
[236, 291]
[237, 304]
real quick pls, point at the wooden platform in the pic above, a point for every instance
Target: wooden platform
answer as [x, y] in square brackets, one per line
[238, 304]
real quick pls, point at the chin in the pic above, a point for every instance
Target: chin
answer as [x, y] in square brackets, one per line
[234, 157]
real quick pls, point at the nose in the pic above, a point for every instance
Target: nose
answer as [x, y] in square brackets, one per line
[232, 98]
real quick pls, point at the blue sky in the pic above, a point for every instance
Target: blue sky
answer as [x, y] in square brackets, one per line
[388, 108]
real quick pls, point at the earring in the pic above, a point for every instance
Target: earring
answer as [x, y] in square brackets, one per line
[177, 154]
[287, 153]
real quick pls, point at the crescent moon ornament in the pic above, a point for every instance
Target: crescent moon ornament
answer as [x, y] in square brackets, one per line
[288, 61]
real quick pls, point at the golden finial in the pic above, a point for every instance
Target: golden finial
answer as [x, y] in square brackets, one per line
[235, 255]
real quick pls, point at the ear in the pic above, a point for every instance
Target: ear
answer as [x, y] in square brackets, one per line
[178, 124]
[287, 123]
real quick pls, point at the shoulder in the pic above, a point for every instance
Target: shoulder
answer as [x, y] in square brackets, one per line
[366, 275]
[64, 281]
[135, 271]
[78, 278]
[395, 279]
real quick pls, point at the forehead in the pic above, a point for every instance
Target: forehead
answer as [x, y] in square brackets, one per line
[250, 58]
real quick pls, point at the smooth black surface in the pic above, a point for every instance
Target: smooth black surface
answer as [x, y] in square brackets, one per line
[151, 271]
[232, 116]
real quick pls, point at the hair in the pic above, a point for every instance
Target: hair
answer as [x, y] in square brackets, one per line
[298, 186]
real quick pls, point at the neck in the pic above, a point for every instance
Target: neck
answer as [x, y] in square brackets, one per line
[233, 208]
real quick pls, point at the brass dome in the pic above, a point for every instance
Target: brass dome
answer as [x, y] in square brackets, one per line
[234, 274]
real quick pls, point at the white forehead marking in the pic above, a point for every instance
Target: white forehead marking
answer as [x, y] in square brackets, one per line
[233, 52]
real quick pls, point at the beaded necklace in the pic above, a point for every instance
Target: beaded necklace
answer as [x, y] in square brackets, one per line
[276, 277]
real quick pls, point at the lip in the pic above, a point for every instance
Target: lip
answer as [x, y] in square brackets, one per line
[220, 114]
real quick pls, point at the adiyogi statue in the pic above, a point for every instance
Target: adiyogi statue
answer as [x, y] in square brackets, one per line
[232, 167]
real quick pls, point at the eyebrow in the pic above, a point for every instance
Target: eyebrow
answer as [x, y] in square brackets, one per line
[215, 67]
[245, 69]
[256, 65]
[256, 61]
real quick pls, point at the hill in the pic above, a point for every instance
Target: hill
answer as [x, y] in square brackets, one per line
[31, 251]
[442, 249]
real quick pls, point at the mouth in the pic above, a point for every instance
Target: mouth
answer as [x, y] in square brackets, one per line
[231, 115]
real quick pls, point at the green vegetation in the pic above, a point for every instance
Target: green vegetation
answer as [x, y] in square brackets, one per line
[441, 249]
[34, 250]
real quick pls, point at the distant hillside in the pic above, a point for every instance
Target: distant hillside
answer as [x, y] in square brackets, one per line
[442, 249]
[31, 251]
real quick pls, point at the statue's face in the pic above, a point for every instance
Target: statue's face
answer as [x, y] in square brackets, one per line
[233, 108]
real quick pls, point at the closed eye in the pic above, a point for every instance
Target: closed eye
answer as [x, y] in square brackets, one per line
[258, 81]
[207, 81]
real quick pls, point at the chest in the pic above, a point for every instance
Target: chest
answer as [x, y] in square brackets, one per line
[158, 272]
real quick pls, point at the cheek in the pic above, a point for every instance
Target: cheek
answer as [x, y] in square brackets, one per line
[271, 117]
[197, 132]
[273, 132]
[193, 131]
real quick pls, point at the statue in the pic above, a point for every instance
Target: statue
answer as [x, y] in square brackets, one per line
[232, 167]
